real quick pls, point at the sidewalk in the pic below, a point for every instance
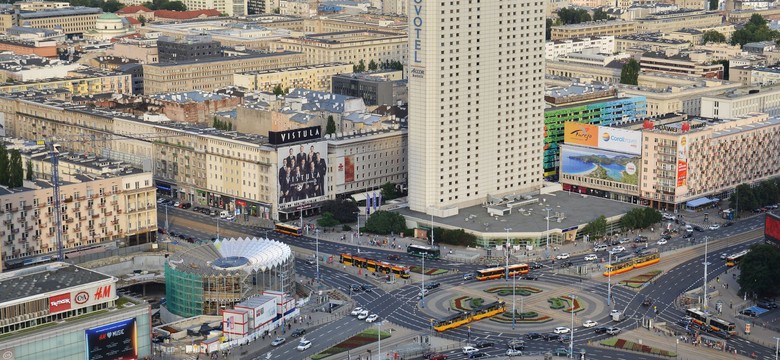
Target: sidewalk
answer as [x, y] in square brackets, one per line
[666, 342]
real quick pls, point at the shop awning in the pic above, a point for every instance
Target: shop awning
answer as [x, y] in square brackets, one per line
[700, 202]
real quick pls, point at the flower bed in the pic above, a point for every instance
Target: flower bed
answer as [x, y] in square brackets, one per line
[632, 346]
[575, 307]
[519, 290]
[556, 303]
[428, 271]
[366, 337]
[459, 303]
[526, 317]
[640, 280]
[476, 302]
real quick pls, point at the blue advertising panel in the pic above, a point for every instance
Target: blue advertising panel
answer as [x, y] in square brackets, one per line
[115, 341]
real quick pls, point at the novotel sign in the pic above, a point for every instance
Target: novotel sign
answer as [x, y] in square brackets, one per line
[288, 136]
[417, 23]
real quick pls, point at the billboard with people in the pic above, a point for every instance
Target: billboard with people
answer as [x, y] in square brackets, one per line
[302, 172]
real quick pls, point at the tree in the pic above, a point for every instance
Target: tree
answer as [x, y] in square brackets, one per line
[760, 271]
[385, 222]
[327, 220]
[640, 218]
[454, 237]
[389, 191]
[548, 29]
[573, 16]
[16, 173]
[330, 128]
[600, 14]
[174, 5]
[4, 166]
[30, 176]
[713, 36]
[360, 67]
[372, 65]
[714, 4]
[630, 73]
[222, 125]
[596, 228]
[726, 65]
[755, 30]
[278, 90]
[343, 210]
[111, 6]
[142, 19]
[743, 199]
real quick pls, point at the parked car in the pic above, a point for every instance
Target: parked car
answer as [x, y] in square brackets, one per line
[749, 312]
[714, 226]
[728, 223]
[303, 345]
[766, 304]
[278, 341]
[600, 247]
[698, 228]
[436, 356]
[298, 332]
[561, 352]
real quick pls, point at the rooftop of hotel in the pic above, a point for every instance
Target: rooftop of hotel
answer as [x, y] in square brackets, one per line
[68, 11]
[38, 280]
[582, 39]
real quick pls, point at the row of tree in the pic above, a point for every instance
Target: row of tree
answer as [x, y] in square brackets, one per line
[108, 6]
[640, 218]
[755, 30]
[575, 16]
[746, 197]
[222, 125]
[373, 66]
[165, 5]
[760, 271]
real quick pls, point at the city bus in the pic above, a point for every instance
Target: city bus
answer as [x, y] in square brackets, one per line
[465, 317]
[710, 323]
[375, 265]
[288, 229]
[429, 252]
[733, 259]
[499, 272]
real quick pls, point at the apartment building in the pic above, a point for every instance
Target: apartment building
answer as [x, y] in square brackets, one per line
[374, 88]
[227, 7]
[554, 49]
[211, 74]
[741, 102]
[676, 94]
[686, 161]
[34, 5]
[755, 75]
[78, 83]
[695, 36]
[350, 47]
[302, 8]
[594, 28]
[71, 20]
[666, 22]
[8, 18]
[570, 70]
[312, 77]
[191, 48]
[102, 204]
[649, 42]
[344, 22]
[680, 64]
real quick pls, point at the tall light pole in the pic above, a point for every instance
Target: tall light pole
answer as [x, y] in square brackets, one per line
[167, 230]
[431, 228]
[422, 287]
[317, 249]
[547, 247]
[777, 346]
[514, 299]
[379, 340]
[704, 298]
[358, 231]
[506, 251]
[571, 337]
[217, 227]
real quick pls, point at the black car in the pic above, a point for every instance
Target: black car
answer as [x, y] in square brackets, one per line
[536, 265]
[749, 312]
[186, 205]
[483, 344]
[728, 223]
[766, 304]
[394, 257]
[687, 235]
[552, 337]
[600, 330]
[477, 355]
[516, 344]
[666, 237]
[698, 228]
[432, 285]
[298, 332]
[533, 336]
[366, 288]
[641, 239]
[530, 277]
[355, 288]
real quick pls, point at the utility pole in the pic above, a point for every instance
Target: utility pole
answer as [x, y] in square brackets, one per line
[514, 299]
[571, 338]
[506, 252]
[431, 229]
[358, 232]
[167, 230]
[422, 287]
[547, 248]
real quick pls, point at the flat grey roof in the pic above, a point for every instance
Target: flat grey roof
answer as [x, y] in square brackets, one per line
[224, 58]
[576, 208]
[19, 284]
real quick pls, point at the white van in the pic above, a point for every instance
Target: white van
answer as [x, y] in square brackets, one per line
[223, 214]
[600, 247]
[689, 228]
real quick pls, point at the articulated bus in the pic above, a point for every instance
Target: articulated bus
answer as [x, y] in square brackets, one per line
[499, 272]
[734, 259]
[288, 229]
[465, 317]
[710, 323]
[375, 265]
[429, 252]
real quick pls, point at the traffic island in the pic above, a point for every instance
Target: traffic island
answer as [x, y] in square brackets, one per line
[632, 346]
[565, 304]
[507, 290]
[365, 337]
[528, 317]
[640, 280]
[428, 271]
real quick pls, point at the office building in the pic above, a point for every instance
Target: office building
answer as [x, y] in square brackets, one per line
[680, 64]
[228, 7]
[191, 48]
[350, 47]
[34, 5]
[476, 109]
[668, 21]
[79, 82]
[71, 20]
[741, 102]
[594, 28]
[311, 77]
[648, 42]
[374, 88]
[554, 49]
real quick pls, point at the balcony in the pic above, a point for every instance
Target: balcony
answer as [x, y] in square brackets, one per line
[41, 226]
[114, 202]
[114, 222]
[81, 198]
[102, 205]
[109, 213]
[102, 225]
[42, 205]
[119, 211]
[95, 196]
[68, 200]
[95, 216]
[69, 220]
[29, 228]
[82, 218]
[15, 230]
[28, 207]
[6, 222]
[14, 209]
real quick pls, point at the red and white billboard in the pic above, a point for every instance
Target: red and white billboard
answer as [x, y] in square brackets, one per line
[59, 303]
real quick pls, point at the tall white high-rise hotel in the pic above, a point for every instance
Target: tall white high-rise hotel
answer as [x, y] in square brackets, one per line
[476, 101]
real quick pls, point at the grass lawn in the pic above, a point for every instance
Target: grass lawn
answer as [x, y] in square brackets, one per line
[365, 337]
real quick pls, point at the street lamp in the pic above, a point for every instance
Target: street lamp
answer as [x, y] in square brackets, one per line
[704, 298]
[777, 347]
[317, 260]
[571, 338]
[422, 287]
[676, 352]
[514, 299]
[506, 251]
[547, 247]
[379, 340]
[431, 228]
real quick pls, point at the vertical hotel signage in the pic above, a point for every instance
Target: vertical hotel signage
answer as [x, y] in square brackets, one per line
[417, 69]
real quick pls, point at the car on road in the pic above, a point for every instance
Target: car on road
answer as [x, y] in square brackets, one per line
[533, 336]
[303, 345]
[491, 265]
[536, 266]
[666, 237]
[613, 330]
[591, 257]
[432, 285]
[513, 352]
[366, 288]
[714, 226]
[766, 304]
[468, 276]
[687, 235]
[298, 332]
[723, 256]
[615, 312]
[468, 350]
[662, 242]
[354, 288]
[600, 247]
[363, 315]
[728, 223]
[530, 276]
[589, 323]
[278, 341]
[600, 330]
[749, 312]
[617, 250]
[698, 228]
[356, 311]
[561, 352]
[371, 318]
[562, 256]
[551, 337]
[435, 356]
[641, 239]
[516, 344]
[423, 292]
[484, 344]
[477, 355]
[311, 261]
[393, 257]
[689, 228]
[561, 330]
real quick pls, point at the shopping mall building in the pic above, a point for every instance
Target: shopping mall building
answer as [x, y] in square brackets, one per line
[61, 311]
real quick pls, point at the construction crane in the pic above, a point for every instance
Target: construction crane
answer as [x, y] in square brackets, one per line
[53, 147]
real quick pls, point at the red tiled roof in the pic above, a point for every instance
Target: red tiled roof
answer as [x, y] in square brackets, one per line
[132, 10]
[184, 15]
[133, 21]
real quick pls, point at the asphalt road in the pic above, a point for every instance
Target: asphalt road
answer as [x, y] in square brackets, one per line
[401, 305]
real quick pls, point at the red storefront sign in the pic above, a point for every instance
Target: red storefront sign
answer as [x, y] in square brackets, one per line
[59, 303]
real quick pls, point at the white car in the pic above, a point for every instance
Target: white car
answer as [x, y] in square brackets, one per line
[662, 242]
[723, 256]
[468, 350]
[617, 249]
[371, 318]
[561, 330]
[512, 352]
[589, 323]
[615, 312]
[303, 345]
[363, 315]
[562, 256]
[591, 257]
[278, 341]
[356, 311]
[714, 226]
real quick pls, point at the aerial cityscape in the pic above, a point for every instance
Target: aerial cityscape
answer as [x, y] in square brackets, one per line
[389, 180]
